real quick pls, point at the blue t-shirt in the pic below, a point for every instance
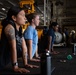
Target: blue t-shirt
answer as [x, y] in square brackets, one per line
[52, 34]
[31, 34]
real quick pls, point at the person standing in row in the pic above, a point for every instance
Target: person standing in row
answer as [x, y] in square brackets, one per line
[31, 36]
[13, 44]
[51, 37]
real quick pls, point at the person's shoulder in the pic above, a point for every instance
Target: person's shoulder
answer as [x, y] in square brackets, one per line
[30, 28]
[50, 30]
[9, 27]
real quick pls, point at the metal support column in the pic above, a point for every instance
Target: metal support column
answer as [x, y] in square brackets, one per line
[44, 12]
[48, 11]
[54, 11]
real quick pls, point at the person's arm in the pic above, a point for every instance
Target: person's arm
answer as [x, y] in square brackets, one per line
[36, 52]
[24, 54]
[37, 55]
[49, 42]
[24, 51]
[50, 38]
[30, 51]
[10, 34]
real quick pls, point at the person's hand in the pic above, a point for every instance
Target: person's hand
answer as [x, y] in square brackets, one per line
[21, 70]
[46, 49]
[31, 66]
[35, 60]
[38, 57]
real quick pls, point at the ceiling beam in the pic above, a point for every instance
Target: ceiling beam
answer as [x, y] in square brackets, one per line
[2, 13]
[11, 2]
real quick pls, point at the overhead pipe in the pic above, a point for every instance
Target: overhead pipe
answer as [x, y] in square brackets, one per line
[2, 13]
[11, 2]
[1, 3]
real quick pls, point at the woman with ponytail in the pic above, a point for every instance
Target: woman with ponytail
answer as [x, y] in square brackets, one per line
[13, 44]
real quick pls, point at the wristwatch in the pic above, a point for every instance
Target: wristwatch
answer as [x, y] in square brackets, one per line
[15, 64]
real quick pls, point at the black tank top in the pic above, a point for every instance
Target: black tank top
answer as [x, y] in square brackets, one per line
[5, 46]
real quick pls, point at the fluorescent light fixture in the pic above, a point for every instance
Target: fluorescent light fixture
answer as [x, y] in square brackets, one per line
[3, 9]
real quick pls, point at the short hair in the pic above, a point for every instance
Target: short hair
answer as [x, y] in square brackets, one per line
[53, 24]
